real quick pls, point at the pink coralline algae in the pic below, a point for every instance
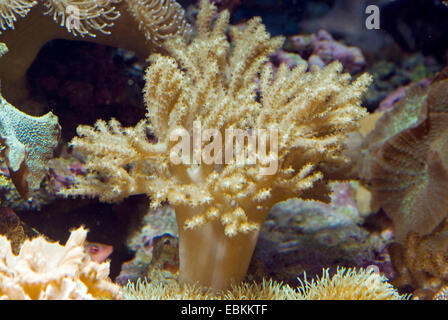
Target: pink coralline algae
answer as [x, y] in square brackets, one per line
[289, 58]
[399, 94]
[321, 49]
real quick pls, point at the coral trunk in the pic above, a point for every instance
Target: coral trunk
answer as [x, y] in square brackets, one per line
[210, 258]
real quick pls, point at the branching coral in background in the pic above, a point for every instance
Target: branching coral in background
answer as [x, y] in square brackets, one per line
[230, 5]
[221, 204]
[44, 270]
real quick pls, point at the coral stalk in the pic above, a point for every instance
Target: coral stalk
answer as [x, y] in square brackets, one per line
[218, 263]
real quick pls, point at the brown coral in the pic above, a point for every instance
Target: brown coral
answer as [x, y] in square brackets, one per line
[45, 270]
[422, 262]
[409, 171]
[406, 168]
[11, 227]
[221, 204]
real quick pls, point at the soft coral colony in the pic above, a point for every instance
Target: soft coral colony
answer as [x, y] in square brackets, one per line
[221, 207]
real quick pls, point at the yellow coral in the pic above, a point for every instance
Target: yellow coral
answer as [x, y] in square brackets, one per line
[346, 284]
[160, 290]
[221, 204]
[349, 284]
[266, 290]
[44, 270]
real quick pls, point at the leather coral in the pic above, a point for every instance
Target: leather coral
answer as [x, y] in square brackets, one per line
[409, 171]
[216, 86]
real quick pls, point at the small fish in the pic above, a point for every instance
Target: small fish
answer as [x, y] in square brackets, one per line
[98, 252]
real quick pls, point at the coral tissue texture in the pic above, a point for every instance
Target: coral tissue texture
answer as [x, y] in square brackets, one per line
[45, 270]
[210, 82]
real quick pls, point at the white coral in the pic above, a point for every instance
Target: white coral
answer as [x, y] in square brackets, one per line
[46, 270]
